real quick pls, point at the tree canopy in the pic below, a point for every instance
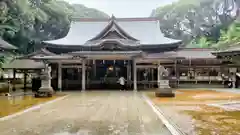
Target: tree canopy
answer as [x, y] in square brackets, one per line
[82, 11]
[25, 23]
[199, 23]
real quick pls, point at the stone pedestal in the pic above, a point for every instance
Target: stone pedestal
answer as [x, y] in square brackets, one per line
[46, 88]
[163, 84]
[167, 92]
[164, 89]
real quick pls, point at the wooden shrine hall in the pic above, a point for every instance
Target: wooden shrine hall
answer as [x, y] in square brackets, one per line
[96, 52]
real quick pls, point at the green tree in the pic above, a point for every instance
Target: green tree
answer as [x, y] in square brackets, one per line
[80, 11]
[26, 18]
[202, 42]
[190, 20]
[25, 23]
[229, 37]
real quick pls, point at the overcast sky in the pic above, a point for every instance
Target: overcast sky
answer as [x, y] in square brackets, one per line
[124, 8]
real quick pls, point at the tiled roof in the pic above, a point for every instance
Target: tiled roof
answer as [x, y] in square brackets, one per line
[41, 52]
[6, 45]
[145, 30]
[196, 53]
[187, 53]
[23, 64]
[118, 19]
[233, 49]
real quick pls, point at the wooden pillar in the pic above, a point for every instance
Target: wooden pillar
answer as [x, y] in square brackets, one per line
[87, 75]
[152, 80]
[25, 81]
[189, 66]
[14, 80]
[60, 76]
[134, 75]
[129, 72]
[158, 75]
[83, 75]
[94, 68]
[176, 73]
[127, 77]
[175, 68]
[149, 77]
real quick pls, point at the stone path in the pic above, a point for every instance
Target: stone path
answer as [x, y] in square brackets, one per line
[89, 113]
[182, 121]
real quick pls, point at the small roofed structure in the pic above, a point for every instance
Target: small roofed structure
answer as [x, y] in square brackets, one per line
[185, 53]
[6, 46]
[232, 55]
[231, 51]
[41, 52]
[25, 64]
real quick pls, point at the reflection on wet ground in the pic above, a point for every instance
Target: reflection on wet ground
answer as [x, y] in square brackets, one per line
[90, 113]
[10, 105]
[203, 112]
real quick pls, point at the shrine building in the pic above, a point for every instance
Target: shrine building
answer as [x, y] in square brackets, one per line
[96, 52]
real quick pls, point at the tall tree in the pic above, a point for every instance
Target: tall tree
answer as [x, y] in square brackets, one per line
[193, 19]
[25, 23]
[80, 11]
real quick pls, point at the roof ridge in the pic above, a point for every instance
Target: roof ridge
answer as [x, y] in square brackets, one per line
[109, 27]
[117, 19]
[42, 50]
[46, 51]
[196, 49]
[6, 45]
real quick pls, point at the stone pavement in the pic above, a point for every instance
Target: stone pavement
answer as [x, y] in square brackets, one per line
[89, 113]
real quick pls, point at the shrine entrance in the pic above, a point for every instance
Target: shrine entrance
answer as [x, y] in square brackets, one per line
[104, 74]
[99, 74]
[98, 70]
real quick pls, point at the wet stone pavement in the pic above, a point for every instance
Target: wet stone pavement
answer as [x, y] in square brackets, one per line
[89, 113]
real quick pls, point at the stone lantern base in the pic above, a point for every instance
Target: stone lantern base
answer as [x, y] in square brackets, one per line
[45, 91]
[166, 92]
[163, 84]
[164, 89]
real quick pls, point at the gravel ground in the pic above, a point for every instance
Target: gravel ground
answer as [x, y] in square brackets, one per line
[89, 113]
